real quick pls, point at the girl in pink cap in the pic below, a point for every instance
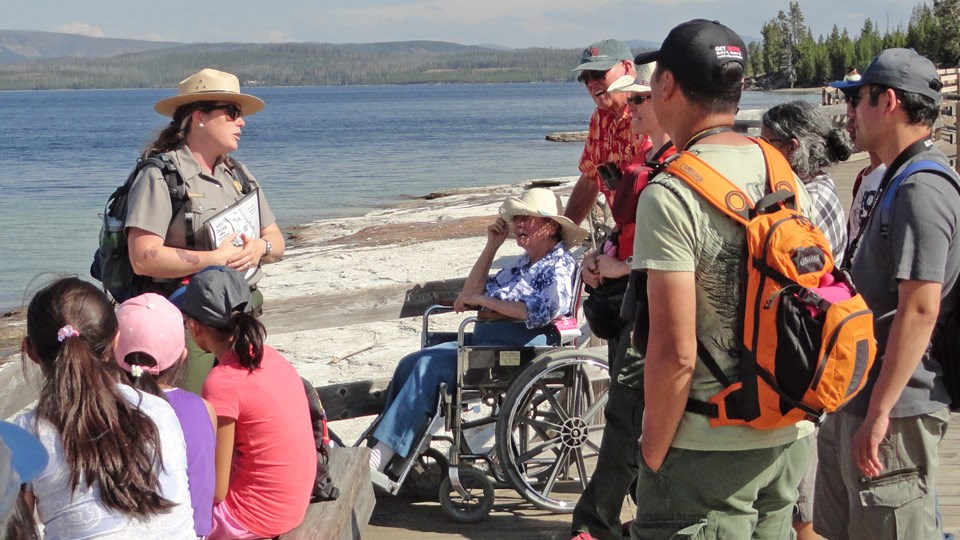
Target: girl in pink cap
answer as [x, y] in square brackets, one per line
[150, 348]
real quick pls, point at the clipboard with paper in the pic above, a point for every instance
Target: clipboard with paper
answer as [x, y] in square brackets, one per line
[241, 217]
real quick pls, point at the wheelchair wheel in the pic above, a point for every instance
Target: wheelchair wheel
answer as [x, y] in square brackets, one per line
[473, 508]
[425, 476]
[550, 427]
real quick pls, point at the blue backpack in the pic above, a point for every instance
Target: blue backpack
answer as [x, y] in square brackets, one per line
[945, 343]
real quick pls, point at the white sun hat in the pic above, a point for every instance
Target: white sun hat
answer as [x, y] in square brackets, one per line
[543, 203]
[640, 83]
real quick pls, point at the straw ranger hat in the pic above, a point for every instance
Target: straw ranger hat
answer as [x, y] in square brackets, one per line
[209, 85]
[543, 203]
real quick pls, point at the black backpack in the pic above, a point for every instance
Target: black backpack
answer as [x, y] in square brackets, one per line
[945, 343]
[111, 261]
[323, 488]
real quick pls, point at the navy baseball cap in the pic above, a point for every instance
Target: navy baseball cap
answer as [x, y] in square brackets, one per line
[901, 69]
[696, 51]
[213, 295]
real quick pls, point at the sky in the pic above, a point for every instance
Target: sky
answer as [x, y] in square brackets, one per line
[510, 23]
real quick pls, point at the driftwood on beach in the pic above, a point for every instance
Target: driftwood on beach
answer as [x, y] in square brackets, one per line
[355, 307]
[567, 136]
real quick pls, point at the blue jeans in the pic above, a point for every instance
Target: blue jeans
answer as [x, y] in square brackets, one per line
[414, 391]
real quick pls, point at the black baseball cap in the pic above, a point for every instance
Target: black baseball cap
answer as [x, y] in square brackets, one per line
[902, 69]
[213, 295]
[696, 50]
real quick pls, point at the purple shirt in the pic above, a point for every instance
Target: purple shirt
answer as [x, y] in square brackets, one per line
[201, 441]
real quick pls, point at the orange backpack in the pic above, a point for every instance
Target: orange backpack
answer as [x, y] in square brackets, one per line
[808, 340]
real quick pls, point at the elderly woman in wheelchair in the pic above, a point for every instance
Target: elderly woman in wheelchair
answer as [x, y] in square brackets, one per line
[536, 290]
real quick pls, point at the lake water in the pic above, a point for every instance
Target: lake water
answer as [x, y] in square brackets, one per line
[320, 152]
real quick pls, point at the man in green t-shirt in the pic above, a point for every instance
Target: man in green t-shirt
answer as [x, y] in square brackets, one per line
[723, 482]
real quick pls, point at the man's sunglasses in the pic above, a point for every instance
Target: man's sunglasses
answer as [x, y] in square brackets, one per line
[638, 100]
[232, 110]
[591, 75]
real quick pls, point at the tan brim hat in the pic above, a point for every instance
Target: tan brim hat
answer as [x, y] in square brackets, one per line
[638, 84]
[209, 85]
[543, 203]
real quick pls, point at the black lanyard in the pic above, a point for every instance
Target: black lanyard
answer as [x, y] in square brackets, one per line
[908, 153]
[706, 133]
[655, 159]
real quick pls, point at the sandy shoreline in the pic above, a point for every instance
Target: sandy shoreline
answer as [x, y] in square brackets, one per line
[435, 237]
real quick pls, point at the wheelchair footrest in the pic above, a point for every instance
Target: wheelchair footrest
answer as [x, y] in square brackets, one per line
[384, 482]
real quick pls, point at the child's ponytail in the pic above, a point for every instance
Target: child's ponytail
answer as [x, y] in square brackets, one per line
[106, 440]
[248, 337]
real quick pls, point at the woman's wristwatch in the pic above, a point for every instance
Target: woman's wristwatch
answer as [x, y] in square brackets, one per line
[269, 247]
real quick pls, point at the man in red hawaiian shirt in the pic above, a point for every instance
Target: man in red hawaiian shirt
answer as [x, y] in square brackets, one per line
[609, 139]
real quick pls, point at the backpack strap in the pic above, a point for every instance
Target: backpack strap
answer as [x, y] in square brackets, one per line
[241, 173]
[923, 165]
[176, 188]
[727, 196]
[712, 186]
[780, 177]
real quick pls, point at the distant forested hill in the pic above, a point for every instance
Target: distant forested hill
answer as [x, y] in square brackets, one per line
[24, 45]
[292, 64]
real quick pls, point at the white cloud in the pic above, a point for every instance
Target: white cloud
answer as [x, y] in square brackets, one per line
[276, 36]
[81, 28]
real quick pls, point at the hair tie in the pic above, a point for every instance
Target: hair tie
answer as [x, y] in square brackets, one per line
[67, 331]
[136, 371]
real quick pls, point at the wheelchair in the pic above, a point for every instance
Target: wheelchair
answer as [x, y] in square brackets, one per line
[526, 418]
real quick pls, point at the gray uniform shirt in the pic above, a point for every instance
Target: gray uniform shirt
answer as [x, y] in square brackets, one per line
[150, 209]
[922, 244]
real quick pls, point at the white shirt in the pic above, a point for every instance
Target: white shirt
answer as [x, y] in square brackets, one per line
[79, 514]
[863, 200]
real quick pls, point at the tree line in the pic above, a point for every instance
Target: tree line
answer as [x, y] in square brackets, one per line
[298, 64]
[788, 55]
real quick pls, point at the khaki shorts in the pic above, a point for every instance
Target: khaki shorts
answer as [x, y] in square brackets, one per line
[803, 511]
[738, 494]
[901, 502]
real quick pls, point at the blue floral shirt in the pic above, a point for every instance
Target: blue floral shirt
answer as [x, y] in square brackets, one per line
[546, 286]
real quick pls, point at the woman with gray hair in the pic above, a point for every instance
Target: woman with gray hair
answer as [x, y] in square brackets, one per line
[811, 142]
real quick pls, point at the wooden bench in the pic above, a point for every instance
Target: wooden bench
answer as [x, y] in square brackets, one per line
[347, 516]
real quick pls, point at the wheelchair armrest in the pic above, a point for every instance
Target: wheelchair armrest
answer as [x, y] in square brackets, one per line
[432, 310]
[462, 330]
[438, 308]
